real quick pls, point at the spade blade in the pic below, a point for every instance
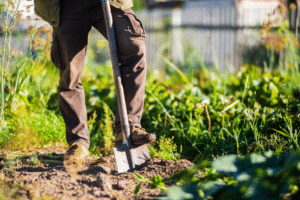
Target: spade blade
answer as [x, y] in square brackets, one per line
[138, 156]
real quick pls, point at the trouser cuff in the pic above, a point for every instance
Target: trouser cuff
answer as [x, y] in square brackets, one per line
[137, 124]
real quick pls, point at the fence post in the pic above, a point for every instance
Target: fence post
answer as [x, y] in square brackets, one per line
[177, 50]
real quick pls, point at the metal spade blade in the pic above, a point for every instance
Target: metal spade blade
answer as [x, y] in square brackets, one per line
[139, 155]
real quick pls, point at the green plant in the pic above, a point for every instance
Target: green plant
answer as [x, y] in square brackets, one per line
[157, 181]
[49, 126]
[265, 176]
[281, 41]
[102, 133]
[290, 133]
[166, 149]
[10, 192]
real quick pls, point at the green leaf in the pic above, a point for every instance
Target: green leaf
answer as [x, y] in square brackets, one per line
[177, 193]
[292, 160]
[243, 177]
[274, 90]
[282, 133]
[269, 154]
[140, 178]
[225, 164]
[230, 106]
[298, 166]
[137, 189]
[157, 181]
[294, 189]
[185, 175]
[256, 158]
[211, 187]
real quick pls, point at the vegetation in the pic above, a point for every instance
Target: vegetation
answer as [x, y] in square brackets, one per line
[256, 176]
[199, 115]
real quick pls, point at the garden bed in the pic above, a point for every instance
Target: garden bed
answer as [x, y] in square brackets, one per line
[40, 175]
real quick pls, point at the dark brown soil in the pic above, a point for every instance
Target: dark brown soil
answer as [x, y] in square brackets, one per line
[41, 175]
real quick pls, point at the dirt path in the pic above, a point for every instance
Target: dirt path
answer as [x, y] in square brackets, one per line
[41, 175]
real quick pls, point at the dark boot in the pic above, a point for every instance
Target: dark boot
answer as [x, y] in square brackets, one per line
[138, 137]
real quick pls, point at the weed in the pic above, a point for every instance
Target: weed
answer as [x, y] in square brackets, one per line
[166, 149]
[156, 182]
[9, 192]
[102, 134]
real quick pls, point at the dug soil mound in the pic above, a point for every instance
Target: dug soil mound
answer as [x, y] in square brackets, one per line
[41, 175]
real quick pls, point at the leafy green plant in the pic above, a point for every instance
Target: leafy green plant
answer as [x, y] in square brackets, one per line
[49, 126]
[265, 176]
[166, 149]
[102, 134]
[256, 176]
[290, 133]
[156, 182]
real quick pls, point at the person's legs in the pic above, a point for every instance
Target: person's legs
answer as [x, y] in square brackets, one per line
[68, 53]
[130, 40]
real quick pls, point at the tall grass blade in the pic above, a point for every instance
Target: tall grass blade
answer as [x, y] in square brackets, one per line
[282, 133]
[16, 84]
[245, 89]
[181, 74]
[230, 106]
[2, 74]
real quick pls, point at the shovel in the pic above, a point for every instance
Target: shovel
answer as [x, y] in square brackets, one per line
[127, 157]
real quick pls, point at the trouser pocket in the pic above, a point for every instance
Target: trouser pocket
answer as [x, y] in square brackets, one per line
[137, 27]
[55, 53]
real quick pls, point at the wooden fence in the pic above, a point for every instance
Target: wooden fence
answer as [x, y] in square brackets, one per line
[200, 33]
[216, 36]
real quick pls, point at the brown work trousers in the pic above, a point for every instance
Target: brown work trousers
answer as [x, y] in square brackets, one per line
[68, 52]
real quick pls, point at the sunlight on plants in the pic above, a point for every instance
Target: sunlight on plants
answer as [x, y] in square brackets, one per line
[166, 149]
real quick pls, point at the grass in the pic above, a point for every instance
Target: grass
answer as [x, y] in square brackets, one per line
[166, 149]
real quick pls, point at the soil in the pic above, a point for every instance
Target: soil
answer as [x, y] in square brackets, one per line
[41, 175]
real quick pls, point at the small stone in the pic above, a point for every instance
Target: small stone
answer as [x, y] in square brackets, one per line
[103, 182]
[121, 185]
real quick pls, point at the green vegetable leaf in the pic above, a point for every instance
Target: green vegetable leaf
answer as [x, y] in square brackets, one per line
[177, 193]
[256, 158]
[137, 189]
[157, 181]
[225, 164]
[140, 178]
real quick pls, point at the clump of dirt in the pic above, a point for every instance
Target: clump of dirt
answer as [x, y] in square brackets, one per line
[41, 175]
